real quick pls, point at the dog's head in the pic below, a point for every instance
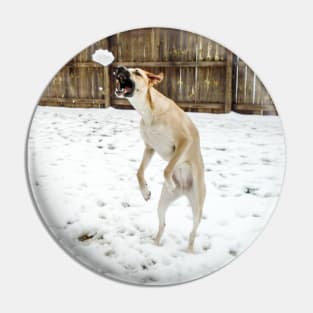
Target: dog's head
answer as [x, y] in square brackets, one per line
[134, 81]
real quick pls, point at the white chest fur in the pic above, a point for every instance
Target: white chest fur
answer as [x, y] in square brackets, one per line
[159, 138]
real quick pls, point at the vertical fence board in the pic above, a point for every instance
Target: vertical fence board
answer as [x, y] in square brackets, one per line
[228, 80]
[248, 99]
[241, 82]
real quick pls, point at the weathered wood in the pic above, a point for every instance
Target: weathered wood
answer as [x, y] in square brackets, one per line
[255, 107]
[73, 101]
[198, 73]
[234, 80]
[249, 85]
[107, 81]
[228, 82]
[251, 92]
[241, 81]
[170, 64]
[201, 105]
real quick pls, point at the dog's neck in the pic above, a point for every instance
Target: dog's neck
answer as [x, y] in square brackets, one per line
[146, 107]
[139, 102]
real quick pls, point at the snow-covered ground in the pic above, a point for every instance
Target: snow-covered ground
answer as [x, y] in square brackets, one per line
[82, 166]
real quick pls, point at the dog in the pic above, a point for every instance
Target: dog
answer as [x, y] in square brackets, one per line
[166, 129]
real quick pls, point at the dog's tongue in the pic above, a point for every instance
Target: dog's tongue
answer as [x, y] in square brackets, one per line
[127, 89]
[123, 91]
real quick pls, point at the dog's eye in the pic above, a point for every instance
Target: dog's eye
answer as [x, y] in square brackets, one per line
[137, 73]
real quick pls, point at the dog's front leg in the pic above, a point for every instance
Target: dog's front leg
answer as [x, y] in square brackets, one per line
[147, 155]
[180, 149]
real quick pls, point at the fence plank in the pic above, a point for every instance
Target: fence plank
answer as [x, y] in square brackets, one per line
[228, 82]
[248, 97]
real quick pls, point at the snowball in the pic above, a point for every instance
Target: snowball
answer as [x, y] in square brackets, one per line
[103, 57]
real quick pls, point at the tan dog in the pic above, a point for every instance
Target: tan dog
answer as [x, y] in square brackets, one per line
[166, 129]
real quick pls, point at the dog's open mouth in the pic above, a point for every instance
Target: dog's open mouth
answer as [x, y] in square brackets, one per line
[124, 88]
[124, 85]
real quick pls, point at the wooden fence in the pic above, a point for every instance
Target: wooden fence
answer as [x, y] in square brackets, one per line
[81, 82]
[249, 94]
[199, 74]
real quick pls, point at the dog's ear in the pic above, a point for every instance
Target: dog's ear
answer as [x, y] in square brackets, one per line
[155, 78]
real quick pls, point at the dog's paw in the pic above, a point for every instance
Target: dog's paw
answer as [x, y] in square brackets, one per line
[146, 193]
[157, 241]
[190, 250]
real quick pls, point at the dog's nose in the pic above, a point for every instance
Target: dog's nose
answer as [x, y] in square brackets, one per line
[121, 72]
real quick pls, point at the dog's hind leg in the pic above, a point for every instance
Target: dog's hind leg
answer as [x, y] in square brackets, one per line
[196, 196]
[167, 196]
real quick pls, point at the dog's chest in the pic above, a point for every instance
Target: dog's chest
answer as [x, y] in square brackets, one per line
[159, 138]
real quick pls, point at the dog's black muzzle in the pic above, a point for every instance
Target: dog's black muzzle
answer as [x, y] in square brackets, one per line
[125, 85]
[121, 73]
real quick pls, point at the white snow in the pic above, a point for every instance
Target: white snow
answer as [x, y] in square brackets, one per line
[103, 57]
[82, 167]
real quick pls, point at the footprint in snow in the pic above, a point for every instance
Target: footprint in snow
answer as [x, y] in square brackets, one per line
[125, 204]
[266, 161]
[101, 203]
[109, 253]
[250, 190]
[232, 252]
[207, 246]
